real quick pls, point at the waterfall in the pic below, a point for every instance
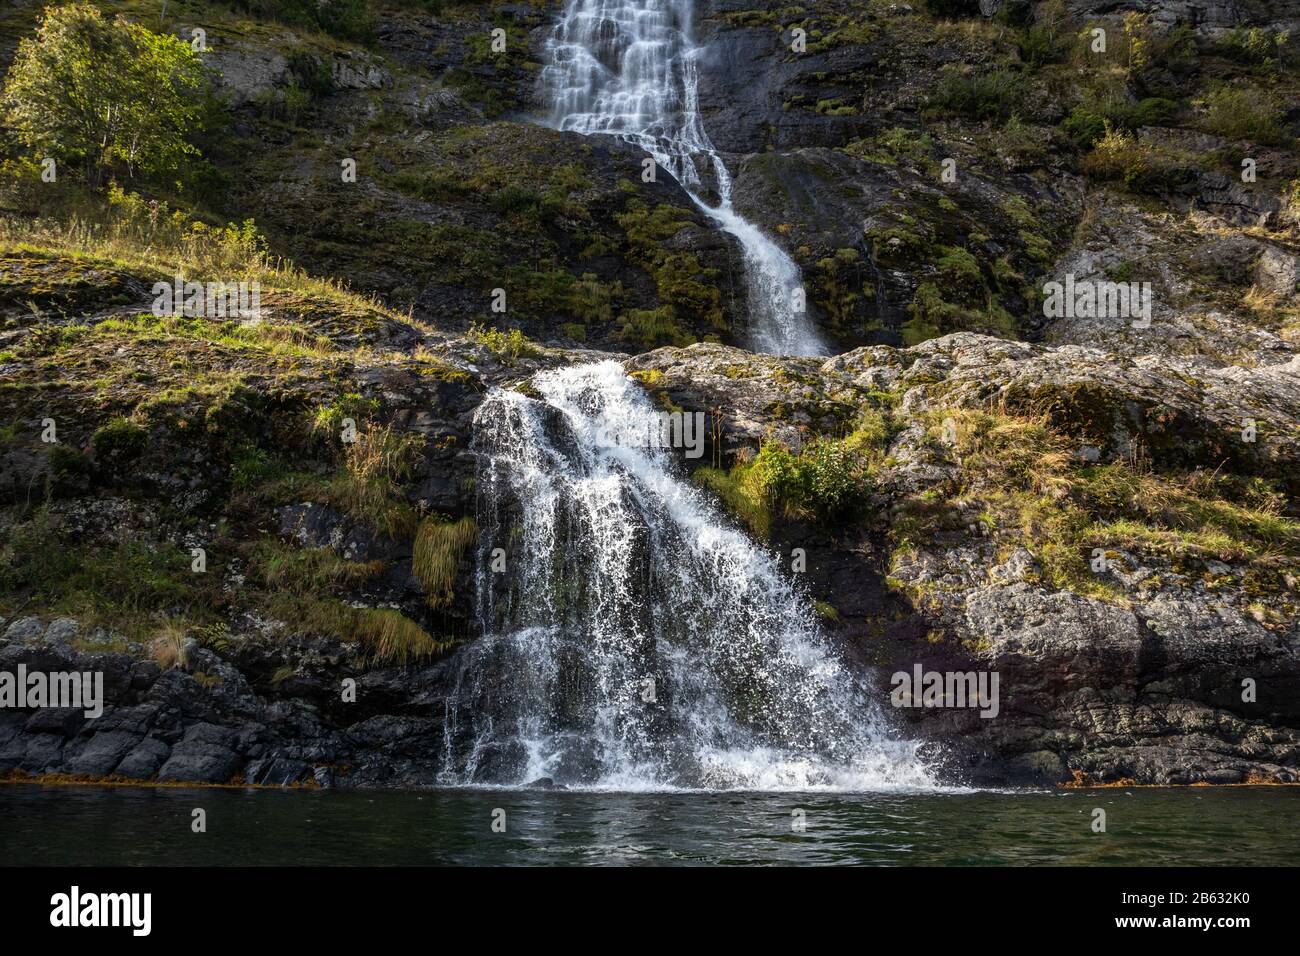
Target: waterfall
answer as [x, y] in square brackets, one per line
[627, 68]
[632, 638]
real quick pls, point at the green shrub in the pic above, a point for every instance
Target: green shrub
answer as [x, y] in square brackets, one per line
[1140, 167]
[1039, 45]
[369, 486]
[515, 199]
[892, 145]
[328, 419]
[305, 571]
[960, 274]
[1088, 121]
[740, 495]
[592, 300]
[995, 95]
[66, 460]
[824, 480]
[686, 287]
[434, 185]
[1243, 113]
[1023, 477]
[1254, 45]
[1085, 125]
[253, 468]
[826, 611]
[127, 587]
[509, 346]
[1176, 51]
[105, 94]
[120, 438]
[310, 73]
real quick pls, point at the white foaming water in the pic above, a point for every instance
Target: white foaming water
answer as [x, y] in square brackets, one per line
[635, 640]
[627, 68]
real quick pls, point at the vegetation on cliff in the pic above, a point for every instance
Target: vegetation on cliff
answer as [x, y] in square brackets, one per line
[929, 168]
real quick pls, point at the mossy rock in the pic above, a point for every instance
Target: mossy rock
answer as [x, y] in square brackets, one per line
[34, 281]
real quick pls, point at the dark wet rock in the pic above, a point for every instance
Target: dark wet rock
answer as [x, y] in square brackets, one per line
[579, 761]
[100, 755]
[868, 234]
[11, 726]
[22, 469]
[204, 755]
[143, 674]
[316, 526]
[137, 719]
[278, 772]
[499, 762]
[64, 721]
[144, 761]
[32, 753]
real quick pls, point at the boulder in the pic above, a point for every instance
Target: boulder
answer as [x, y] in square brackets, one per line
[100, 755]
[25, 630]
[144, 760]
[1278, 272]
[204, 755]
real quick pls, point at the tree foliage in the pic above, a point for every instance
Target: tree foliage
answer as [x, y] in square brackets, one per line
[104, 94]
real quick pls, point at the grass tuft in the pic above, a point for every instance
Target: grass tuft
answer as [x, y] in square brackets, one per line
[439, 546]
[369, 486]
[391, 638]
[168, 645]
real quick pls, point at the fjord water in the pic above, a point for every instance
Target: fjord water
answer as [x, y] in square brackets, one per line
[143, 826]
[634, 639]
[628, 68]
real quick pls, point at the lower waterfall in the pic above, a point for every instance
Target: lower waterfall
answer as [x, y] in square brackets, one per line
[633, 639]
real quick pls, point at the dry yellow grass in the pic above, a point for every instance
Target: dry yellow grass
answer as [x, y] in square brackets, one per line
[168, 645]
[391, 638]
[439, 546]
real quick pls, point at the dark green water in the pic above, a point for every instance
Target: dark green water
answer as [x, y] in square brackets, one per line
[108, 826]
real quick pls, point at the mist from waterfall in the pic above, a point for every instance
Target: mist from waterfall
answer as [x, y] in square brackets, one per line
[633, 639]
[628, 68]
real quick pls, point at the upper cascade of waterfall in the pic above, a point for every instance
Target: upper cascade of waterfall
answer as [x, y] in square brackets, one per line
[634, 639]
[628, 68]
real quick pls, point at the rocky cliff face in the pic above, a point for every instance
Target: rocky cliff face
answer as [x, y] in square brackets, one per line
[1100, 508]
